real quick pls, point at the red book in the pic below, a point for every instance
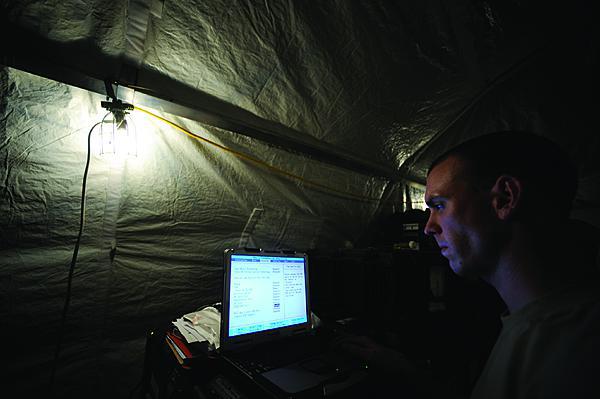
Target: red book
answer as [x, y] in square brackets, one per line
[180, 344]
[181, 361]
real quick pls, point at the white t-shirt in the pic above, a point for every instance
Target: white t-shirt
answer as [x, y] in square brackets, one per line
[548, 349]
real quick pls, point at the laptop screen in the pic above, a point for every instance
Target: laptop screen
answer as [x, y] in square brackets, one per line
[264, 292]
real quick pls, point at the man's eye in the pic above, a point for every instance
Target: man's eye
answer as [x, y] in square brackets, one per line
[438, 207]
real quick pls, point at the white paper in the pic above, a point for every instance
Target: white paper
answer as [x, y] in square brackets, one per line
[201, 326]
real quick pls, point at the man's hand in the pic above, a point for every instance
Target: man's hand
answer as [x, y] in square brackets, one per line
[375, 355]
[390, 365]
[360, 346]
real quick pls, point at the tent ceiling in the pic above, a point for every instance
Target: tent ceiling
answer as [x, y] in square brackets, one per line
[362, 84]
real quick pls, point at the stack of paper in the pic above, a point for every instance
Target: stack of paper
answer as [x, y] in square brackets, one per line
[200, 326]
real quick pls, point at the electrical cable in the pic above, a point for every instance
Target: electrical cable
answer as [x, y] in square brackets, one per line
[82, 215]
[73, 262]
[260, 162]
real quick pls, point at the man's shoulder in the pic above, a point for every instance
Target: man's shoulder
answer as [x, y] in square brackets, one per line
[553, 327]
[546, 347]
[573, 303]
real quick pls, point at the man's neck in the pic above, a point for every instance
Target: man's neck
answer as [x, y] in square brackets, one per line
[523, 274]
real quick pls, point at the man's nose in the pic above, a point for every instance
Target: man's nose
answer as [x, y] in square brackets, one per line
[431, 227]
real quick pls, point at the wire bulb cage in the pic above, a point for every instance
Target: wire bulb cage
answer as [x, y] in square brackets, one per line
[118, 134]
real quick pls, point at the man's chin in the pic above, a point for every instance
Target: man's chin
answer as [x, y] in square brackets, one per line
[457, 270]
[460, 270]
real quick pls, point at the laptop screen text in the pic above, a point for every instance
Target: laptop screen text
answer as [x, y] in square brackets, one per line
[266, 292]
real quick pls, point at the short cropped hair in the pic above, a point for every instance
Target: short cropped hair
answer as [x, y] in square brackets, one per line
[548, 174]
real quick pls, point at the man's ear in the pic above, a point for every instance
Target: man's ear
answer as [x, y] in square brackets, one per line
[506, 196]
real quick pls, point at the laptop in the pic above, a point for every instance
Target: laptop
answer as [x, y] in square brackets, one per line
[267, 335]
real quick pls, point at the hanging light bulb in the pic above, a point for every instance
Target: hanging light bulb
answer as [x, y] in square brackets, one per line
[117, 131]
[118, 134]
[126, 137]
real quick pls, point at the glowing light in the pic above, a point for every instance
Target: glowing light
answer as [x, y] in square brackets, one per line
[118, 135]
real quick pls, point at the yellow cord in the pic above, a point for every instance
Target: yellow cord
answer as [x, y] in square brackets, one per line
[256, 160]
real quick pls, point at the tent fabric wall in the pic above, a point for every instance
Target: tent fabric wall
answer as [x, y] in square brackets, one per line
[155, 227]
[375, 78]
[552, 93]
[394, 83]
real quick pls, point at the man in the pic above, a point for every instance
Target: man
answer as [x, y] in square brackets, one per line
[499, 210]
[499, 206]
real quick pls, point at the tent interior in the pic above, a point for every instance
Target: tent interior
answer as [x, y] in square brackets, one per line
[304, 126]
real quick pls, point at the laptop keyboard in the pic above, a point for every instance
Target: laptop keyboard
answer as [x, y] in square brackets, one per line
[260, 359]
[252, 367]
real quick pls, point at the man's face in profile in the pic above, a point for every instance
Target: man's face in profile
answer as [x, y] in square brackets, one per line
[460, 219]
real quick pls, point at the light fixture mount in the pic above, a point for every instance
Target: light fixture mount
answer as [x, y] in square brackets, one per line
[115, 105]
[120, 133]
[118, 108]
